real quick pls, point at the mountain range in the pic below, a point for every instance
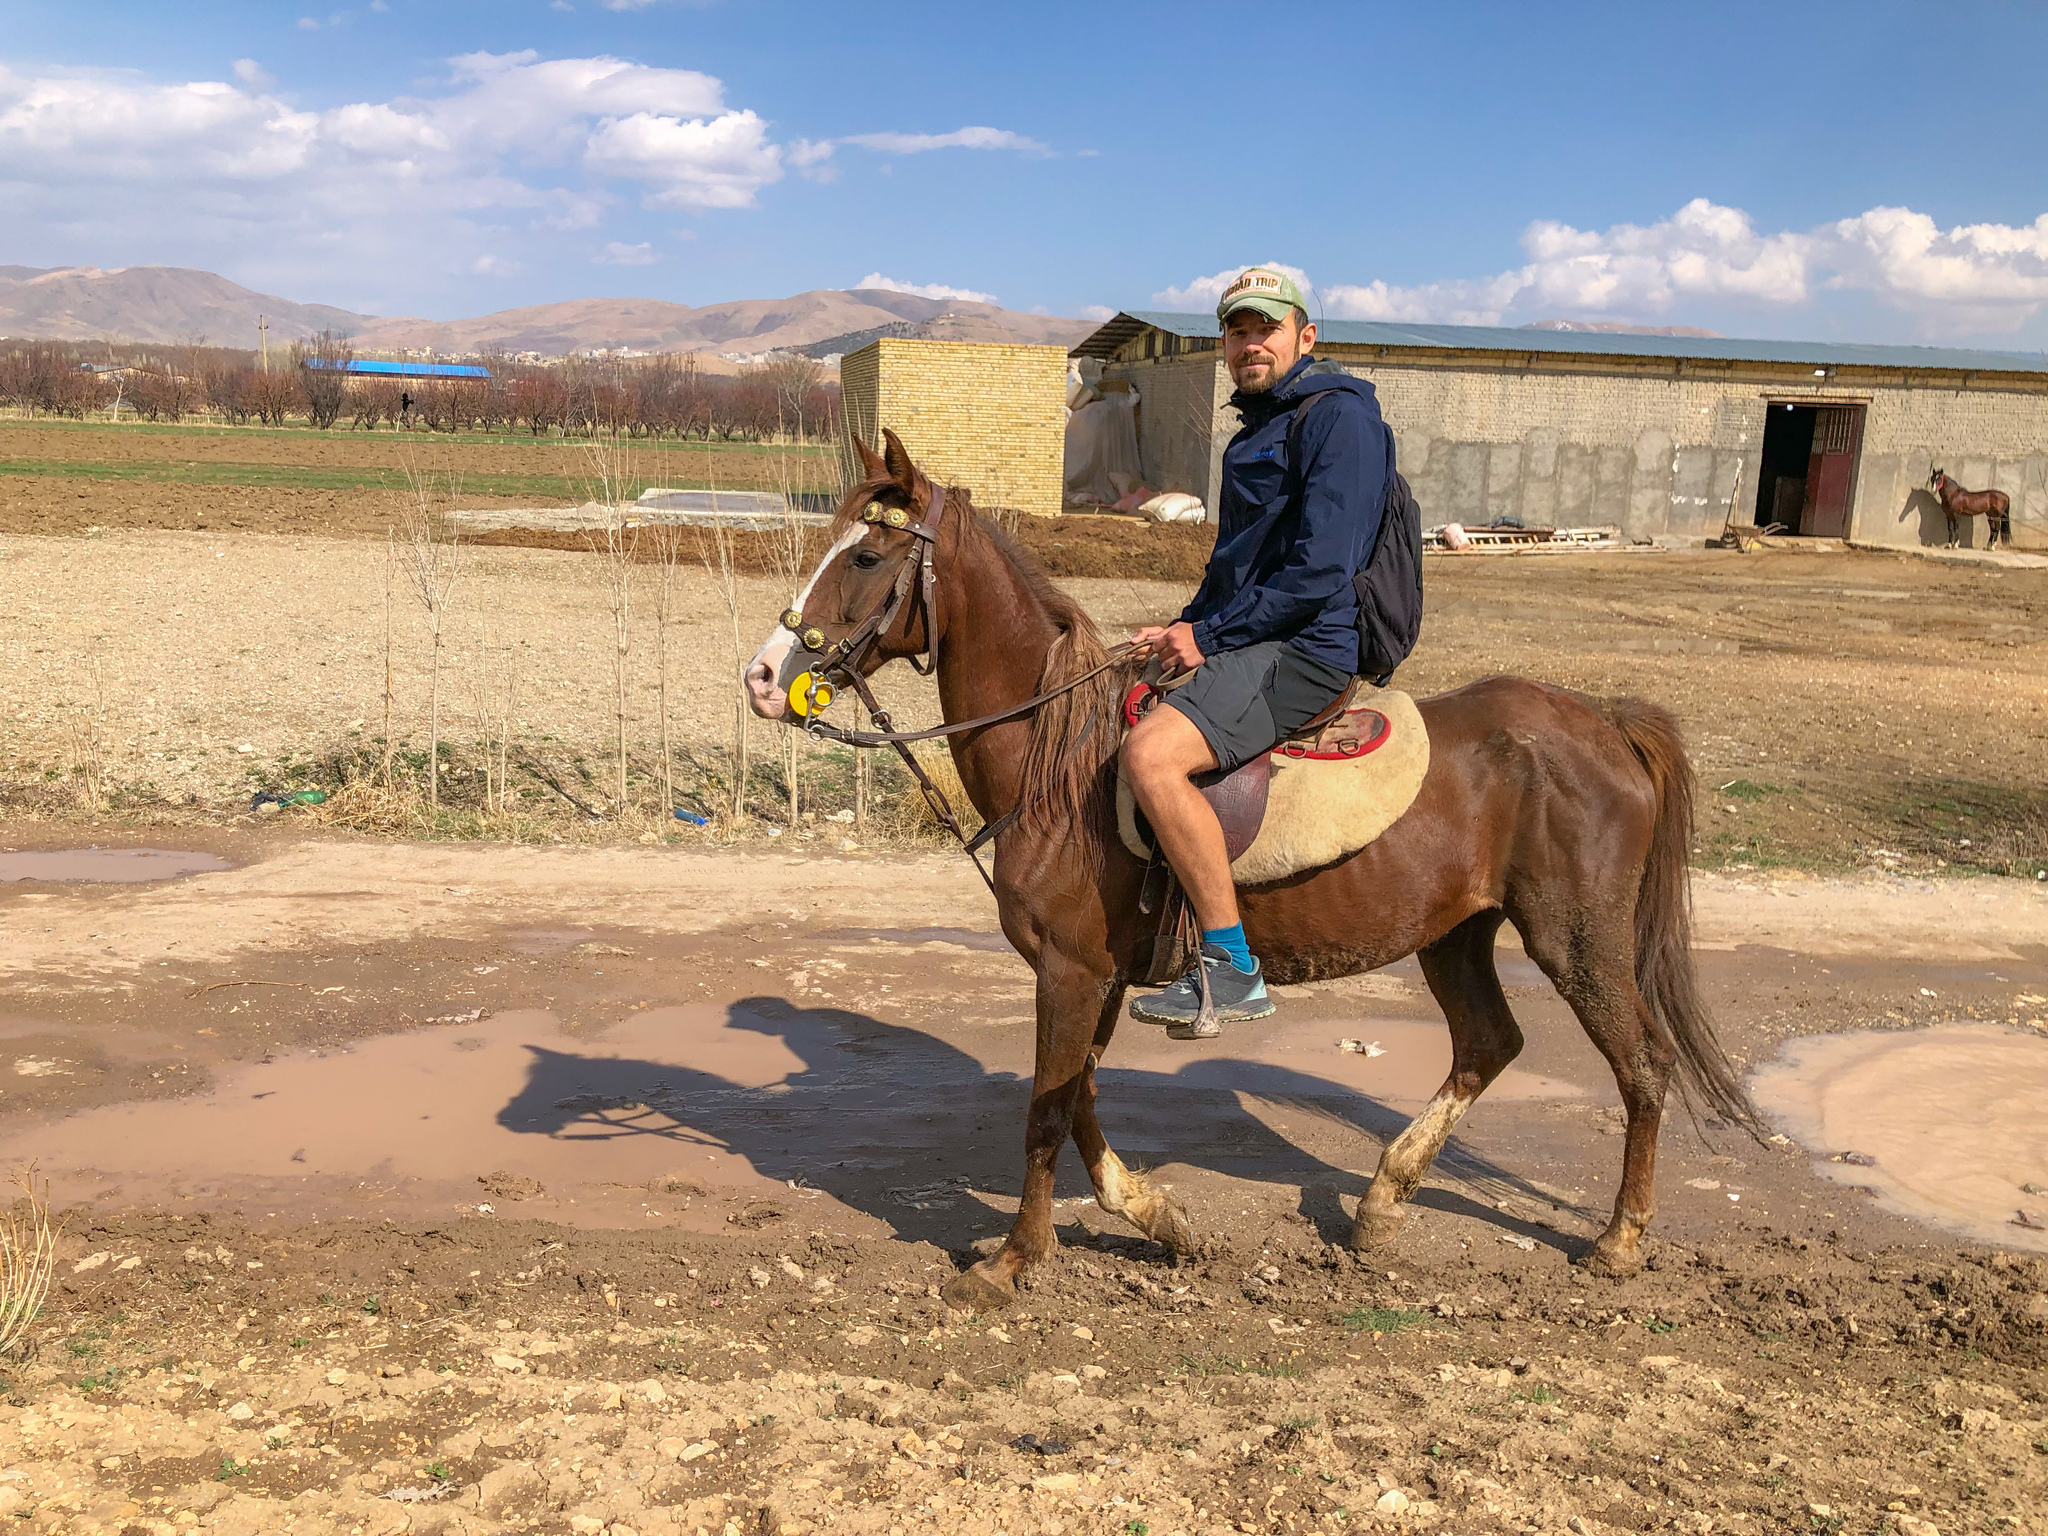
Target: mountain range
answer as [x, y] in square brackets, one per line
[169, 305]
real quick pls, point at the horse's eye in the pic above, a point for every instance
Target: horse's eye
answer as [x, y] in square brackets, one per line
[867, 559]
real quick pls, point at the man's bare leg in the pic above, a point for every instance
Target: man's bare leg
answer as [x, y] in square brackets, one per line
[1162, 753]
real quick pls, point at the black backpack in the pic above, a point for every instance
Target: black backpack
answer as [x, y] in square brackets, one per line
[1389, 587]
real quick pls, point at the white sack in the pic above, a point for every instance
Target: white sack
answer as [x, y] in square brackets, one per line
[1175, 507]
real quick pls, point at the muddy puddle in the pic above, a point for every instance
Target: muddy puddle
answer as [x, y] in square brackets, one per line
[124, 866]
[686, 1114]
[1944, 1125]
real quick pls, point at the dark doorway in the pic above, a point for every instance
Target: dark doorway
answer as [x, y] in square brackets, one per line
[1808, 477]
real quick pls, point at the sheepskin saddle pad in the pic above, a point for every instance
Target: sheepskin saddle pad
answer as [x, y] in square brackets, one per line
[1312, 800]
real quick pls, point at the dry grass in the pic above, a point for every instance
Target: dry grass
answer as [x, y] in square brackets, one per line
[911, 816]
[28, 1255]
[400, 810]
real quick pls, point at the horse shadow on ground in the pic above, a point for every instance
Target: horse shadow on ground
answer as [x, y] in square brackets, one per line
[906, 1128]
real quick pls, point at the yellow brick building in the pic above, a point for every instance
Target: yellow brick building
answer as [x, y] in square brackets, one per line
[987, 416]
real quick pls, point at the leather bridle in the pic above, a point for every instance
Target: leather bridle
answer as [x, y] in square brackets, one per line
[844, 658]
[846, 654]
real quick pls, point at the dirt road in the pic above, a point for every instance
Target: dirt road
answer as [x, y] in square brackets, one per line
[471, 1188]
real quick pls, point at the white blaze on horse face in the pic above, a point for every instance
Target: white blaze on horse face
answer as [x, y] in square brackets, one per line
[766, 680]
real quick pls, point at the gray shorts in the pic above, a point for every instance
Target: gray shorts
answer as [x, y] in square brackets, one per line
[1247, 702]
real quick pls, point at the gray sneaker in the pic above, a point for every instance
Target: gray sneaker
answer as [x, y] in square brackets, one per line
[1237, 996]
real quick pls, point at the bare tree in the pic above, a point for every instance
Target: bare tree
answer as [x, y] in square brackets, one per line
[792, 376]
[668, 555]
[717, 551]
[433, 554]
[787, 551]
[390, 694]
[615, 540]
[88, 732]
[494, 697]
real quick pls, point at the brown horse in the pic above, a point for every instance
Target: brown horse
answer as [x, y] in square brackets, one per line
[1995, 507]
[1565, 815]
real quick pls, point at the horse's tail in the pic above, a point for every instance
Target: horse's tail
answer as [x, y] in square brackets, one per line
[1664, 968]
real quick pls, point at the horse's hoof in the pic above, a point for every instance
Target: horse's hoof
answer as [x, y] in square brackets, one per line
[972, 1291]
[1613, 1262]
[1174, 1229]
[1375, 1229]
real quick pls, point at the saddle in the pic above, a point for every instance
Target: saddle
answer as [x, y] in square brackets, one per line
[1319, 796]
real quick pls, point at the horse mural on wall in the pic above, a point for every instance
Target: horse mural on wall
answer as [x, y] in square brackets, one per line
[1565, 815]
[1995, 507]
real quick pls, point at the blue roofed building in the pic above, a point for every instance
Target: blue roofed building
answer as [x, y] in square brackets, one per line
[371, 368]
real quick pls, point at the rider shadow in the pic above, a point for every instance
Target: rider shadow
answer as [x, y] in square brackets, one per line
[903, 1127]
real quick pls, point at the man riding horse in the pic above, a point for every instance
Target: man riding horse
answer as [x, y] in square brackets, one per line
[1271, 636]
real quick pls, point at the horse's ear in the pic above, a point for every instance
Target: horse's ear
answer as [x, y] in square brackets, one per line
[872, 467]
[896, 459]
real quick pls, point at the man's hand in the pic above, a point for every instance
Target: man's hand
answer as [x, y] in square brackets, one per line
[1173, 644]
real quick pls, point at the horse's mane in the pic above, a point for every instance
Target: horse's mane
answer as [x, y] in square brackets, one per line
[1075, 736]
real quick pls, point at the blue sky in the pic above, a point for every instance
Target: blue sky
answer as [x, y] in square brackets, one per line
[1866, 171]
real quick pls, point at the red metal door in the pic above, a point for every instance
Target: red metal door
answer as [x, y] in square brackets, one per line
[1831, 471]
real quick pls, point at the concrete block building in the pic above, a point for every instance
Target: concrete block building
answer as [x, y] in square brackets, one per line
[989, 416]
[1660, 435]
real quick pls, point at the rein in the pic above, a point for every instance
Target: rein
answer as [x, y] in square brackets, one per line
[846, 655]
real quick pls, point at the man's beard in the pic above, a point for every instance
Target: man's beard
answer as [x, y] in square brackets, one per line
[1261, 386]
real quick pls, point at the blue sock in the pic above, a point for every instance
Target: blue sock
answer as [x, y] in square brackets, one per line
[1231, 941]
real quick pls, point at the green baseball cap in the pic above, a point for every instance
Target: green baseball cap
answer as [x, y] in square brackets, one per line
[1271, 293]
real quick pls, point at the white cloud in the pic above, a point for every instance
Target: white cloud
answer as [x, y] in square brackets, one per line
[1095, 312]
[719, 162]
[959, 138]
[924, 290]
[1990, 276]
[230, 174]
[617, 253]
[1972, 279]
[808, 157]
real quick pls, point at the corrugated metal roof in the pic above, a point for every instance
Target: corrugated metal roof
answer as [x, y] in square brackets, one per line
[1500, 338]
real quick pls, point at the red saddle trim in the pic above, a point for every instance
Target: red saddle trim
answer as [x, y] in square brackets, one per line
[1132, 700]
[1301, 752]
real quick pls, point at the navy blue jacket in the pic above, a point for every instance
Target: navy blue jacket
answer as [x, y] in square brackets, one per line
[1282, 572]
